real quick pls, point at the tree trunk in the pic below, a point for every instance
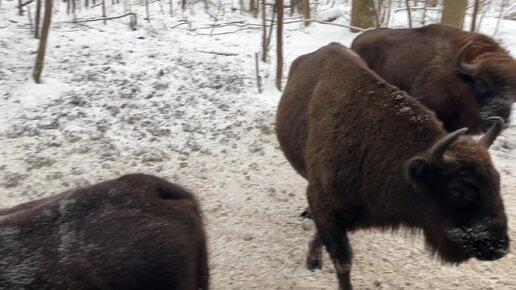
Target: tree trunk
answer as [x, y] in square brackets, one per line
[147, 10]
[264, 32]
[104, 15]
[38, 68]
[432, 3]
[306, 12]
[362, 14]
[279, 44]
[454, 12]
[409, 15]
[20, 8]
[38, 19]
[474, 16]
[183, 5]
[253, 7]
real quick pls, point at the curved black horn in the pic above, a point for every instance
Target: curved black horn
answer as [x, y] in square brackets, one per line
[462, 66]
[437, 154]
[493, 132]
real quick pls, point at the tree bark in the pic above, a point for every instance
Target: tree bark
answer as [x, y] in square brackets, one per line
[362, 14]
[40, 58]
[454, 12]
[279, 44]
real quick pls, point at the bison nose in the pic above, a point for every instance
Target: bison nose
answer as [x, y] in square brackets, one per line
[492, 250]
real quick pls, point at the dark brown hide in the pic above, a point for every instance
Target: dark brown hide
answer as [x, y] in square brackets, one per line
[365, 148]
[134, 232]
[423, 62]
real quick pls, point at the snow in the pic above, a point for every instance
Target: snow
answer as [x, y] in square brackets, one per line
[163, 100]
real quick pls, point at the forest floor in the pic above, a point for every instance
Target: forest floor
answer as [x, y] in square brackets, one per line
[183, 106]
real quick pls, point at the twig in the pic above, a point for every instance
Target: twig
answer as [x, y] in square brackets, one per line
[227, 32]
[218, 53]
[183, 22]
[26, 3]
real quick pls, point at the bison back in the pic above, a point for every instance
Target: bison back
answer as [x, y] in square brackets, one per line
[134, 232]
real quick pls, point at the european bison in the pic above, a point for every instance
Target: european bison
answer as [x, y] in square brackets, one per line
[375, 157]
[134, 232]
[464, 77]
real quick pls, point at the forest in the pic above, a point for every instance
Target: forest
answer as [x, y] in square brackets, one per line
[188, 90]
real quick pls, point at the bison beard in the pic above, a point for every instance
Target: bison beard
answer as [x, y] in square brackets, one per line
[134, 232]
[375, 157]
[464, 77]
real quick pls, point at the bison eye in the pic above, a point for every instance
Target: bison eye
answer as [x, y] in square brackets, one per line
[461, 196]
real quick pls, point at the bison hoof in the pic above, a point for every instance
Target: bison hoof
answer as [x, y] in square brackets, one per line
[306, 214]
[313, 264]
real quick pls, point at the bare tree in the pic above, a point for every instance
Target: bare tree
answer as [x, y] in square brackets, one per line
[279, 44]
[253, 7]
[474, 16]
[20, 8]
[294, 5]
[40, 58]
[38, 19]
[409, 15]
[454, 12]
[306, 11]
[147, 10]
[362, 14]
[104, 15]
[264, 32]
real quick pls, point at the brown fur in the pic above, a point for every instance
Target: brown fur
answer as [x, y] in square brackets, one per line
[134, 232]
[422, 62]
[364, 145]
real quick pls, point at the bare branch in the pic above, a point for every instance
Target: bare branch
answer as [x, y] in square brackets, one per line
[107, 18]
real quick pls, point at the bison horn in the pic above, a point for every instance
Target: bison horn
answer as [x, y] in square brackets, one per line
[462, 66]
[437, 154]
[493, 132]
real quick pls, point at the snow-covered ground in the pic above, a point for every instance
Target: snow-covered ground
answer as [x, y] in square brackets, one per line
[163, 100]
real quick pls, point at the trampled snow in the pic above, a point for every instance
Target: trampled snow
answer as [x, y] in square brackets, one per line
[178, 98]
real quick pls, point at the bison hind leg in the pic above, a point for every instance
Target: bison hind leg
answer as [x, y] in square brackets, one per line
[306, 214]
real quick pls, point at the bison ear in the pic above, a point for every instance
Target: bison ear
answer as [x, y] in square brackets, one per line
[419, 170]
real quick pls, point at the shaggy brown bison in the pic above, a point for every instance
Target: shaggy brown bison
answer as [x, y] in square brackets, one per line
[134, 232]
[464, 77]
[375, 157]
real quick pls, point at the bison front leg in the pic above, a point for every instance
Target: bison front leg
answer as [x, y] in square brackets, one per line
[331, 232]
[314, 256]
[337, 245]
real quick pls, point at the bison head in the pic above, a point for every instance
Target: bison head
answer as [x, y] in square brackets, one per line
[459, 190]
[492, 78]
